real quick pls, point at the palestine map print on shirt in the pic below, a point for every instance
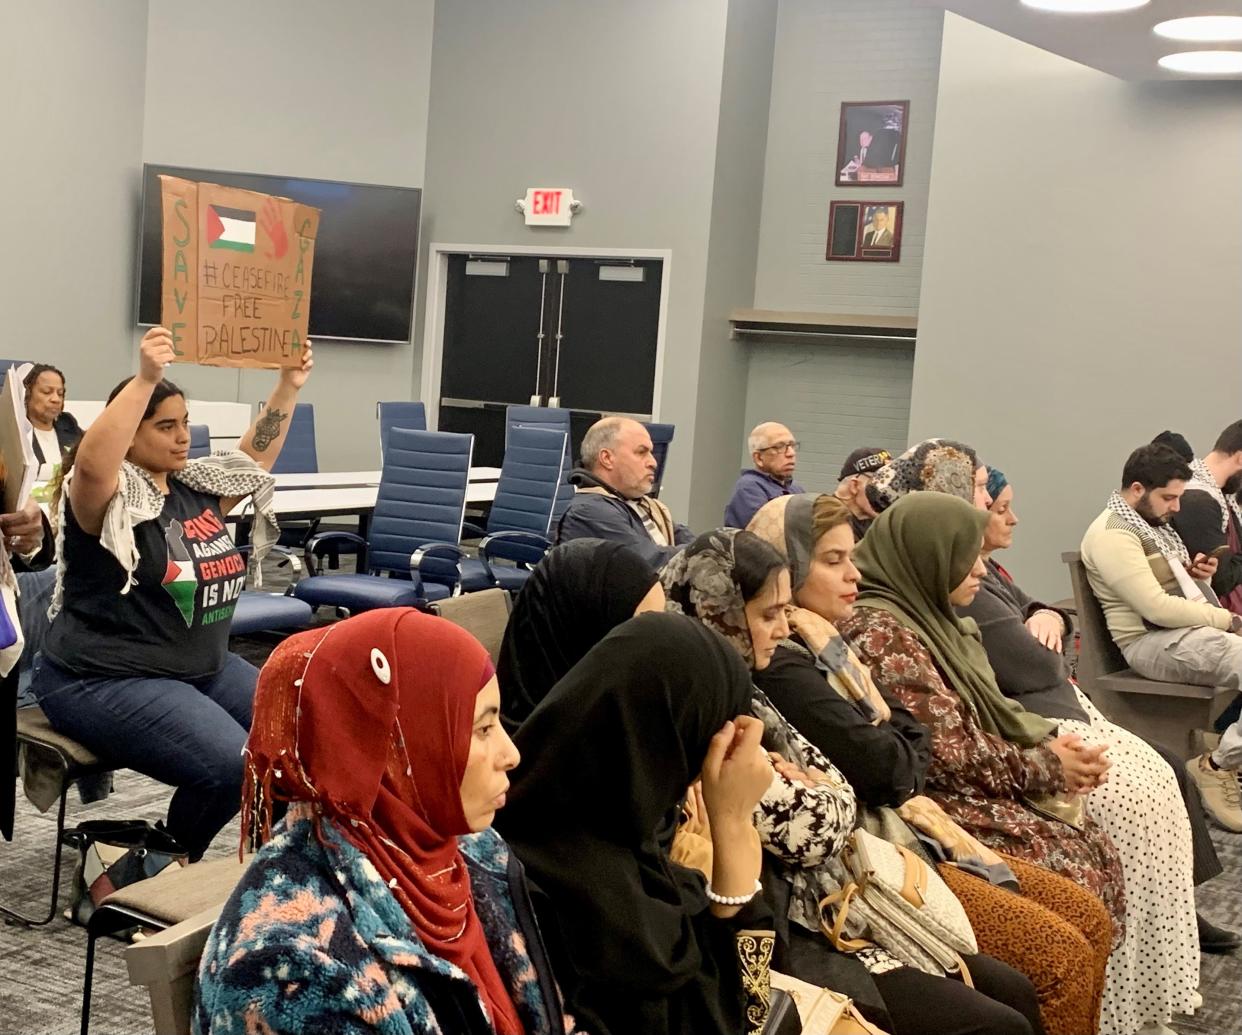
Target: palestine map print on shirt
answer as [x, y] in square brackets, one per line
[205, 575]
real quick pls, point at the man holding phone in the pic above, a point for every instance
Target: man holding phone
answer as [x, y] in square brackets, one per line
[1160, 612]
[1210, 519]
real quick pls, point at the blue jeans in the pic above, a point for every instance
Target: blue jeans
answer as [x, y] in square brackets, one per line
[189, 735]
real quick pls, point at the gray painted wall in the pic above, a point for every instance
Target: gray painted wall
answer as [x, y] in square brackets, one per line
[1058, 334]
[326, 93]
[621, 102]
[827, 53]
[71, 74]
[731, 253]
[839, 395]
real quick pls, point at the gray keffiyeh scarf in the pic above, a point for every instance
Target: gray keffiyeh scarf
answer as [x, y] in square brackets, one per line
[138, 499]
[1205, 480]
[1163, 538]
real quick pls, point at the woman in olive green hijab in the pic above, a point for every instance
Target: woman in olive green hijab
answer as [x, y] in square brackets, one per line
[997, 769]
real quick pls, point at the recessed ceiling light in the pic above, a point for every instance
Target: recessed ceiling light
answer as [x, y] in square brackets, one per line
[1208, 28]
[1204, 62]
[1085, 6]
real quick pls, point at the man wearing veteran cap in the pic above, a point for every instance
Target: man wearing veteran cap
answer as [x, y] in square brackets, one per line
[859, 468]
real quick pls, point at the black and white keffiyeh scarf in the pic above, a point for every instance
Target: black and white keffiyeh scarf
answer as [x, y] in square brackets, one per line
[1163, 538]
[138, 499]
[1205, 480]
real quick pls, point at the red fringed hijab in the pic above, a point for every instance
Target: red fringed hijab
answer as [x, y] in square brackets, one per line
[370, 721]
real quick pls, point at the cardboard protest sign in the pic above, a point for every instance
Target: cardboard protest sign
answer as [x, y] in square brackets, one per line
[237, 274]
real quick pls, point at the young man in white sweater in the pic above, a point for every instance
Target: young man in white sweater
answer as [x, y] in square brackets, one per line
[1160, 610]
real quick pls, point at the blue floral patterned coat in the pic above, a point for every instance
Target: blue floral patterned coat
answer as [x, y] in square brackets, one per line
[312, 940]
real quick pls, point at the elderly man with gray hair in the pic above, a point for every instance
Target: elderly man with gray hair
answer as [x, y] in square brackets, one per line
[612, 501]
[774, 451]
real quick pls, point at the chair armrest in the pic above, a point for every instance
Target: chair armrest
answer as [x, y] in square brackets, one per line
[312, 548]
[521, 547]
[438, 562]
[295, 562]
[469, 530]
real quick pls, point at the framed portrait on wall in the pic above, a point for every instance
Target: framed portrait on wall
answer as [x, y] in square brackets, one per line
[864, 231]
[871, 146]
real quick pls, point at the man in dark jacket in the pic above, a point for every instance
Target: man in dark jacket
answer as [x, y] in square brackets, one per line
[774, 451]
[612, 501]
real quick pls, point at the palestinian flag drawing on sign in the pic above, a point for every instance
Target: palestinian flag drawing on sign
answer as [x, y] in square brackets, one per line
[231, 228]
[179, 578]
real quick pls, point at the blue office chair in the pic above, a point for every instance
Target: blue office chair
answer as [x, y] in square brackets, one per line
[259, 611]
[661, 437]
[546, 418]
[200, 441]
[298, 455]
[521, 514]
[415, 531]
[409, 415]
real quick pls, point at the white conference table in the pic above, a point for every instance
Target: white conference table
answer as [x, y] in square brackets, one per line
[349, 499]
[355, 479]
[357, 501]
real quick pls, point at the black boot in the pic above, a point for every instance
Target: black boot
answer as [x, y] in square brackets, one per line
[1216, 939]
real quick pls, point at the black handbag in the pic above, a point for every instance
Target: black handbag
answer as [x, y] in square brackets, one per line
[114, 854]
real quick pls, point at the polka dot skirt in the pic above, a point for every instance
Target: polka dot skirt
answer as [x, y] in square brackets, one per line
[1154, 972]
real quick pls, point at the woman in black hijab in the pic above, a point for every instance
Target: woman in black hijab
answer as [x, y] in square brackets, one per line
[579, 593]
[639, 943]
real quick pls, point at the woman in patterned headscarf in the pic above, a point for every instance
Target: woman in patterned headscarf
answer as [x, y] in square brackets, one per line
[738, 585]
[1053, 931]
[934, 465]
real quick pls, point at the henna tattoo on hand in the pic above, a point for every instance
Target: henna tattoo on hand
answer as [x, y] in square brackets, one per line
[267, 428]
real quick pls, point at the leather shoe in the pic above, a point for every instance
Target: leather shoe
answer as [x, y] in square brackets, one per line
[1216, 939]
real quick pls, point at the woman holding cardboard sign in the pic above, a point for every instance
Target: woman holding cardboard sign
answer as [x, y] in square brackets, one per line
[136, 665]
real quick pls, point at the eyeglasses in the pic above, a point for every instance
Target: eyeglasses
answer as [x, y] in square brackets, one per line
[781, 447]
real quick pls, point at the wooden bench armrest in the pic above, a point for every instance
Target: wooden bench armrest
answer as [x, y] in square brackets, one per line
[173, 952]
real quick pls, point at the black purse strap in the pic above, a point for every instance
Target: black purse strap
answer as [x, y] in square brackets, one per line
[123, 833]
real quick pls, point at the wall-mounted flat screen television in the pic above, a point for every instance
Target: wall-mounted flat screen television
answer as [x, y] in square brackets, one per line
[365, 255]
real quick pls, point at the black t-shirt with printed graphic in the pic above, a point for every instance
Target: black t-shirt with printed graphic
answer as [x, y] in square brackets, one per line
[175, 621]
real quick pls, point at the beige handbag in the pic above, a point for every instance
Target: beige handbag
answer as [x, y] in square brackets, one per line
[906, 906]
[823, 1011]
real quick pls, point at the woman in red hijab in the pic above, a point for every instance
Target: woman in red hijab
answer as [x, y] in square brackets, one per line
[384, 902]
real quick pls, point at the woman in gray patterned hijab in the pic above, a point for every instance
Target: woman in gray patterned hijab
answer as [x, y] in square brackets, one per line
[738, 584]
[934, 465]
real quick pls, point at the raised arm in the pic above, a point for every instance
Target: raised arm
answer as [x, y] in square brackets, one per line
[266, 436]
[97, 465]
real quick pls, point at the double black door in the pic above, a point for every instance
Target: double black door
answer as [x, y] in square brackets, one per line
[578, 333]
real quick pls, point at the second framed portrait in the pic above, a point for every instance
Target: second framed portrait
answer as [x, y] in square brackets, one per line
[871, 146]
[864, 231]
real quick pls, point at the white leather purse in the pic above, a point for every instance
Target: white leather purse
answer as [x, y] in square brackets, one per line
[906, 906]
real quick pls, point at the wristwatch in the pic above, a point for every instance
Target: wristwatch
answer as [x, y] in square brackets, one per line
[1235, 624]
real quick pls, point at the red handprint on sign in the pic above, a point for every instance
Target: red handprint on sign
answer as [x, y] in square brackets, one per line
[274, 227]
